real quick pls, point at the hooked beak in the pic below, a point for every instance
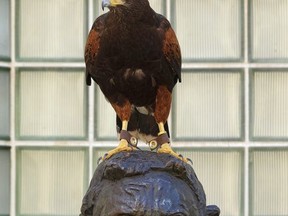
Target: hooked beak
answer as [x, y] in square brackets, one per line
[111, 3]
[105, 3]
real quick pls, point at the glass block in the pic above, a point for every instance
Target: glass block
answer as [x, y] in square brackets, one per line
[51, 104]
[269, 105]
[209, 29]
[105, 118]
[208, 105]
[51, 182]
[268, 182]
[4, 29]
[221, 174]
[51, 29]
[5, 181]
[4, 104]
[269, 30]
[157, 5]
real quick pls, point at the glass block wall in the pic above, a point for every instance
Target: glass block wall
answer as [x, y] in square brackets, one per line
[229, 115]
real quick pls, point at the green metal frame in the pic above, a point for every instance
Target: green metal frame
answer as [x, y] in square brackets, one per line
[6, 137]
[6, 174]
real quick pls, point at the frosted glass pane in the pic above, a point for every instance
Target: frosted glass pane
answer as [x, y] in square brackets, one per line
[105, 118]
[51, 104]
[157, 6]
[4, 104]
[221, 174]
[269, 29]
[51, 29]
[5, 181]
[51, 182]
[270, 104]
[4, 28]
[209, 29]
[208, 106]
[269, 186]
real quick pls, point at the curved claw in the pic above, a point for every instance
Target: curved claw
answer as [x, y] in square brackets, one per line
[123, 146]
[166, 149]
[100, 159]
[190, 161]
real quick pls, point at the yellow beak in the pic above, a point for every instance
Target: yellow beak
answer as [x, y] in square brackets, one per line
[111, 3]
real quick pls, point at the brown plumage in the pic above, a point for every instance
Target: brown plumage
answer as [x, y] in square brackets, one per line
[132, 53]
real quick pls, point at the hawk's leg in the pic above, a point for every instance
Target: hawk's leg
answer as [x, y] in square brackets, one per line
[163, 104]
[166, 147]
[124, 113]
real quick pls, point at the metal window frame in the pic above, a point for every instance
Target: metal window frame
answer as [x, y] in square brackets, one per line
[6, 136]
[7, 150]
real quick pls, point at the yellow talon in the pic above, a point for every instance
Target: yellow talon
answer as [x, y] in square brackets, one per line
[123, 146]
[166, 149]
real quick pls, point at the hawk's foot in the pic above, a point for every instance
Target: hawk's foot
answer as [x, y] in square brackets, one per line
[166, 149]
[123, 146]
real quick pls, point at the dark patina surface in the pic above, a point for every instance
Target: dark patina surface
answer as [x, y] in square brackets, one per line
[143, 183]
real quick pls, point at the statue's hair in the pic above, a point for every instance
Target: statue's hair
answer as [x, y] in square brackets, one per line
[142, 163]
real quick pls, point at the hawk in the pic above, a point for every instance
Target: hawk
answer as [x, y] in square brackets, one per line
[133, 54]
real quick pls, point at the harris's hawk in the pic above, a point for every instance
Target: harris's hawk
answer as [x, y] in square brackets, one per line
[132, 53]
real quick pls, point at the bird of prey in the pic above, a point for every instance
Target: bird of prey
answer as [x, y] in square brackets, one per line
[133, 54]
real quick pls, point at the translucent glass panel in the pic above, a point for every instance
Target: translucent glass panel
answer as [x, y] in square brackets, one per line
[208, 106]
[269, 177]
[51, 29]
[221, 174]
[4, 181]
[157, 5]
[105, 118]
[270, 104]
[4, 104]
[209, 29]
[4, 29]
[51, 104]
[269, 29]
[51, 182]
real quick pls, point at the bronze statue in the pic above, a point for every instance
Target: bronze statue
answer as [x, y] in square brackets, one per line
[142, 183]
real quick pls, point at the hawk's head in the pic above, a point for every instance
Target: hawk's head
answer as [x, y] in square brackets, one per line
[126, 3]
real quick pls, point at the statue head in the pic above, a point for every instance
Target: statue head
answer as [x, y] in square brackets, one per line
[144, 183]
